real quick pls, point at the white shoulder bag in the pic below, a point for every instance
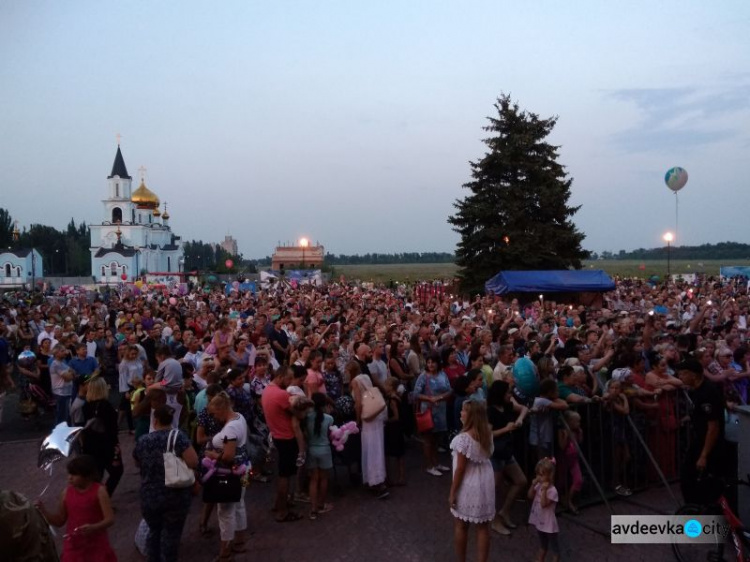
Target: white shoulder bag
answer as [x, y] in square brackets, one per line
[176, 472]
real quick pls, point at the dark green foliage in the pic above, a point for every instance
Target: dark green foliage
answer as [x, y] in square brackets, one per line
[517, 214]
[405, 257]
[720, 251]
[65, 253]
[201, 256]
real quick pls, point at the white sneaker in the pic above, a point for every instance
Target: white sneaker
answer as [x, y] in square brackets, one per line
[499, 528]
[443, 468]
[434, 471]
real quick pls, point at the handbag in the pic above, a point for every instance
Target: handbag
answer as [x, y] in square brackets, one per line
[222, 488]
[141, 536]
[95, 424]
[424, 419]
[372, 404]
[176, 472]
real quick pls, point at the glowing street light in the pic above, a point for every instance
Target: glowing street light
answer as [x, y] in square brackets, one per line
[304, 243]
[668, 237]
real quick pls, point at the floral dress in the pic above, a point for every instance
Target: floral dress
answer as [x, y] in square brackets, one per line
[433, 385]
[475, 500]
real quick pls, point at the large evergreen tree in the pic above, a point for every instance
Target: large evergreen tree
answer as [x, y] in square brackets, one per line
[517, 215]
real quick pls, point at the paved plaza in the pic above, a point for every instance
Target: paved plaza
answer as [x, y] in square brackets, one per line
[414, 524]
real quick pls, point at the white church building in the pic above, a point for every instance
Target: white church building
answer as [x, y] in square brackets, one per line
[134, 236]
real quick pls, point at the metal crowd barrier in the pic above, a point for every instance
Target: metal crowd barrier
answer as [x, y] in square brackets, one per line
[655, 435]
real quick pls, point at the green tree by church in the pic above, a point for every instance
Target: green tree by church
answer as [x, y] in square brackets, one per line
[517, 214]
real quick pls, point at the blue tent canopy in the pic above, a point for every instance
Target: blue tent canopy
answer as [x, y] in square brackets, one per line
[563, 281]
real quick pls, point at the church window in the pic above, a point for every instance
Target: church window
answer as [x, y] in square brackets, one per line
[117, 190]
[116, 215]
[133, 219]
[104, 271]
[169, 264]
[7, 270]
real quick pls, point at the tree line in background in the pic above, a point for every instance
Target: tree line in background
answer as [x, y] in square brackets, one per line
[375, 258]
[65, 252]
[720, 251]
[202, 256]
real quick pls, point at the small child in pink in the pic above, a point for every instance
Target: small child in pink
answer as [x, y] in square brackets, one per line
[542, 516]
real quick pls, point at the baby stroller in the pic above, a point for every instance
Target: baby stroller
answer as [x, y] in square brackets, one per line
[35, 400]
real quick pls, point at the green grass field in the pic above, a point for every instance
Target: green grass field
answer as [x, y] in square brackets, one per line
[621, 268]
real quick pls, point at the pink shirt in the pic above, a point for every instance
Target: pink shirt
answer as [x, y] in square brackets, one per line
[316, 377]
[543, 518]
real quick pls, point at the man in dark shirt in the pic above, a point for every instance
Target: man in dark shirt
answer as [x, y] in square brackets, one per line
[280, 342]
[149, 344]
[705, 454]
[177, 345]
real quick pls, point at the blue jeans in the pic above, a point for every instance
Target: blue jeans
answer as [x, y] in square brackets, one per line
[62, 409]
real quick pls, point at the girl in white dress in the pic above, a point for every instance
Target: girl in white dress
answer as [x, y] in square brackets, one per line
[472, 498]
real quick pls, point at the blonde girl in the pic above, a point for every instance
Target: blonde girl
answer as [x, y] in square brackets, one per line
[472, 496]
[544, 495]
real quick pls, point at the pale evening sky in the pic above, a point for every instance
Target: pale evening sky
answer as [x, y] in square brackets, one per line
[352, 123]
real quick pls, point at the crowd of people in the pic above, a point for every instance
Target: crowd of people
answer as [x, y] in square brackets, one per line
[256, 385]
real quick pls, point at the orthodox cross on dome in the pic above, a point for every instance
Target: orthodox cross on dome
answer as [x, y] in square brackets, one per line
[118, 136]
[142, 172]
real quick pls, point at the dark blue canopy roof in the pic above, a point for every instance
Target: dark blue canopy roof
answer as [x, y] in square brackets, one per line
[564, 281]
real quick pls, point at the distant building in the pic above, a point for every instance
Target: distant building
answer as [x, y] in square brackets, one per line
[229, 245]
[20, 267]
[298, 257]
[134, 235]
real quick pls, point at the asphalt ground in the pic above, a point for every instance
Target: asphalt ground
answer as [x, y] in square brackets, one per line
[413, 524]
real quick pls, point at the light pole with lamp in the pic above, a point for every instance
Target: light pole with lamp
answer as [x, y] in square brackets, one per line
[668, 237]
[303, 242]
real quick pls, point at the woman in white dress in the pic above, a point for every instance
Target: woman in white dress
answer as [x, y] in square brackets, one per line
[373, 437]
[472, 497]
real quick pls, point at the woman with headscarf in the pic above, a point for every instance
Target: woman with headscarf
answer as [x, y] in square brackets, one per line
[373, 436]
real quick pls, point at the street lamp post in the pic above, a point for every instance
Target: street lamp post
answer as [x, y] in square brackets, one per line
[303, 242]
[668, 237]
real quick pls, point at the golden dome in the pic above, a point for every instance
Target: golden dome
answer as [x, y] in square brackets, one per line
[157, 213]
[144, 197]
[165, 216]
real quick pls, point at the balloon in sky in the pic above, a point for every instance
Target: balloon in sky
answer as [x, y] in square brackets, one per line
[676, 178]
